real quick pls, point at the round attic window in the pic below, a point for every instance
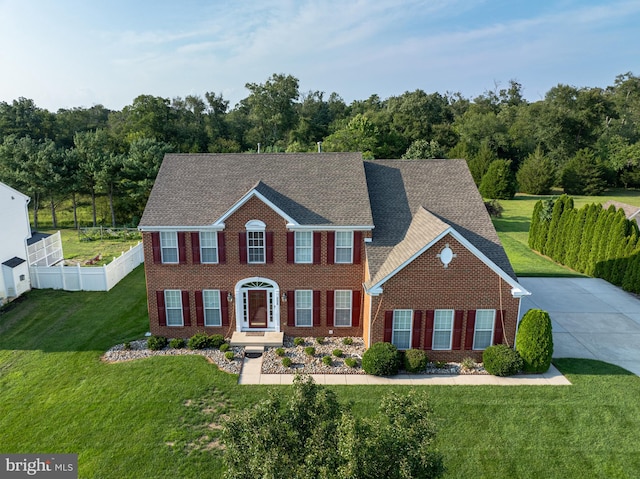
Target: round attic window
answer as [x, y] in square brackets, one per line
[446, 255]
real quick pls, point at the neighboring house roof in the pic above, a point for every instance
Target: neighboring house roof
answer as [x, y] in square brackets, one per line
[324, 189]
[412, 201]
[630, 211]
[13, 262]
[35, 237]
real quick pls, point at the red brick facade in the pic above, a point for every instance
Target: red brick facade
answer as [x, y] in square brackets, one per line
[423, 285]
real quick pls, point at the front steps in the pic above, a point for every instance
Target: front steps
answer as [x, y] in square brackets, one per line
[266, 339]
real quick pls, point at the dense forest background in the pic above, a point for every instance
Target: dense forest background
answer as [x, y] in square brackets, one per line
[581, 139]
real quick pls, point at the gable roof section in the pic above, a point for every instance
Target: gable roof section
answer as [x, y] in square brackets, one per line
[318, 189]
[400, 190]
[14, 192]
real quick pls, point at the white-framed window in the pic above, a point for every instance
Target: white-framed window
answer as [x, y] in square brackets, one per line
[303, 246]
[483, 331]
[211, 306]
[304, 307]
[344, 247]
[173, 307]
[401, 335]
[169, 246]
[255, 247]
[342, 313]
[208, 247]
[442, 329]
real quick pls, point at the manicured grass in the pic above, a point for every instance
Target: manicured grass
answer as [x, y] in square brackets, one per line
[160, 417]
[513, 230]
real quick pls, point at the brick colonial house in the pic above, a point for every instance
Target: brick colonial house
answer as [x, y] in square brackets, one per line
[326, 244]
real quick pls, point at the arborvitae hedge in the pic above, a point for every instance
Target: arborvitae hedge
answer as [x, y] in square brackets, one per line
[594, 241]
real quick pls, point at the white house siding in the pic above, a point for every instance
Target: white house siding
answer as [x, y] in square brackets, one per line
[14, 232]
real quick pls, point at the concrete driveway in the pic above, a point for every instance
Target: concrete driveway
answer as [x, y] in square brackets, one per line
[591, 319]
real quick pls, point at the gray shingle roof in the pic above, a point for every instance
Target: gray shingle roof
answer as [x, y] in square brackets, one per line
[400, 189]
[314, 189]
[630, 211]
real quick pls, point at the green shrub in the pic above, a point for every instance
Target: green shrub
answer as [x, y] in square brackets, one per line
[347, 341]
[155, 343]
[320, 340]
[280, 352]
[501, 360]
[441, 364]
[298, 341]
[499, 181]
[286, 362]
[198, 341]
[310, 350]
[216, 340]
[177, 343]
[326, 360]
[126, 346]
[415, 360]
[351, 362]
[381, 359]
[468, 364]
[534, 341]
[337, 353]
[224, 347]
[229, 355]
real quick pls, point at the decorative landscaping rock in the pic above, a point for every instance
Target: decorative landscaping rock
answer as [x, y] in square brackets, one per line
[138, 350]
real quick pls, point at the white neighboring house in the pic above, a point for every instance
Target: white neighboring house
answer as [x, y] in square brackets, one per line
[14, 233]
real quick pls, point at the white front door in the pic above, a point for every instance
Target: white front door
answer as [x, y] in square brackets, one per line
[257, 305]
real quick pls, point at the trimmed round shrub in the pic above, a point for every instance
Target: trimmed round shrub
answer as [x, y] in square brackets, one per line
[337, 353]
[415, 360]
[534, 341]
[351, 362]
[381, 359]
[286, 362]
[347, 341]
[224, 347]
[310, 350]
[216, 340]
[229, 355]
[126, 346]
[501, 360]
[198, 341]
[280, 352]
[155, 343]
[320, 340]
[298, 341]
[327, 361]
[177, 343]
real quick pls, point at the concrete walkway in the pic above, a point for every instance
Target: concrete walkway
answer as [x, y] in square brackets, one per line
[591, 319]
[252, 367]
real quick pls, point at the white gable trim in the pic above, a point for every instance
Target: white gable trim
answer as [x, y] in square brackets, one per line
[250, 194]
[517, 290]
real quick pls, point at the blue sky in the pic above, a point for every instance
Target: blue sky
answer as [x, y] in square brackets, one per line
[69, 53]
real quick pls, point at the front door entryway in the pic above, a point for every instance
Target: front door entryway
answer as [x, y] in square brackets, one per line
[257, 308]
[257, 305]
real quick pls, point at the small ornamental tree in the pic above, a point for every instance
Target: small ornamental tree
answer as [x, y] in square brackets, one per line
[534, 341]
[537, 174]
[498, 182]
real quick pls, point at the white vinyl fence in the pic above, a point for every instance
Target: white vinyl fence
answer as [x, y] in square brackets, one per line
[46, 252]
[87, 278]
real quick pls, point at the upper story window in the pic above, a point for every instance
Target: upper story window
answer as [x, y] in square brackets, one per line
[255, 241]
[208, 247]
[303, 247]
[169, 246]
[344, 247]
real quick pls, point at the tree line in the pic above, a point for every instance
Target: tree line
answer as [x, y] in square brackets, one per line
[583, 139]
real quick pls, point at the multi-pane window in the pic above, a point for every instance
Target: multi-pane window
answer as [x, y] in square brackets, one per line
[304, 308]
[483, 334]
[169, 246]
[255, 246]
[442, 328]
[173, 306]
[342, 308]
[208, 247]
[401, 336]
[304, 246]
[344, 246]
[211, 305]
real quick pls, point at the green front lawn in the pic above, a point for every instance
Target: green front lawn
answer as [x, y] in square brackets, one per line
[160, 417]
